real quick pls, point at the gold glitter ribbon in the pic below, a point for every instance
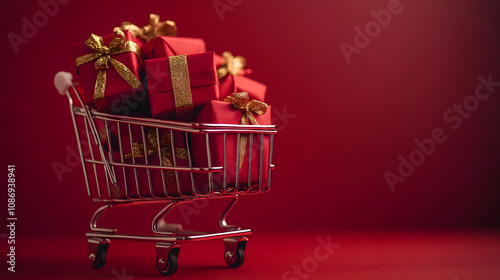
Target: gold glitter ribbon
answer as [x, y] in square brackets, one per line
[166, 152]
[241, 101]
[102, 57]
[154, 29]
[232, 65]
[181, 87]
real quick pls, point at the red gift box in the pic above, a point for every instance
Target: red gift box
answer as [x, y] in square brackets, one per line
[233, 77]
[181, 86]
[222, 112]
[134, 182]
[165, 46]
[237, 83]
[102, 63]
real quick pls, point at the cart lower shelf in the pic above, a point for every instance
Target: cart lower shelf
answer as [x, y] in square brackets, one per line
[168, 246]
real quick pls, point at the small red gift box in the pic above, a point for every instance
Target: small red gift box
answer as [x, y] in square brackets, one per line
[135, 182]
[222, 112]
[237, 83]
[234, 78]
[165, 46]
[180, 86]
[109, 68]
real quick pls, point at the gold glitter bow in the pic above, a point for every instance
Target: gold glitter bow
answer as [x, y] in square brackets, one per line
[248, 108]
[154, 29]
[102, 56]
[232, 65]
[166, 152]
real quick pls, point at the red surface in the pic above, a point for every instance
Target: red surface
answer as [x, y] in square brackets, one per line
[341, 125]
[353, 255]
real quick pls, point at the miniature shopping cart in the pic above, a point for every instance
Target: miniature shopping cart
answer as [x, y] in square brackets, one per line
[115, 176]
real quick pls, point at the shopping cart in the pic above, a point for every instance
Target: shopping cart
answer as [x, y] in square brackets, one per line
[115, 176]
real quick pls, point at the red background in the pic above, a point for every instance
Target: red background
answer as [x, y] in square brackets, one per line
[350, 121]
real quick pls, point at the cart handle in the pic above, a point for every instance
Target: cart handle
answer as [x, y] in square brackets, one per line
[63, 81]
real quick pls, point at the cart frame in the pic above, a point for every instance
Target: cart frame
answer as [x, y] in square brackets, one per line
[167, 241]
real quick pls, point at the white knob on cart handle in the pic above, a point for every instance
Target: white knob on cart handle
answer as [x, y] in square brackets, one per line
[62, 81]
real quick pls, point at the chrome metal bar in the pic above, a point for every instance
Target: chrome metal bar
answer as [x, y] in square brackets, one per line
[133, 160]
[161, 214]
[95, 217]
[237, 163]
[190, 162]
[176, 239]
[269, 172]
[97, 139]
[223, 215]
[144, 145]
[184, 169]
[261, 160]
[209, 162]
[98, 185]
[122, 159]
[110, 150]
[224, 180]
[250, 157]
[174, 161]
[107, 180]
[160, 158]
[182, 126]
[82, 159]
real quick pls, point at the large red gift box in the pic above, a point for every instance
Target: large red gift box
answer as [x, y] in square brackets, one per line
[189, 80]
[106, 56]
[165, 46]
[134, 182]
[221, 112]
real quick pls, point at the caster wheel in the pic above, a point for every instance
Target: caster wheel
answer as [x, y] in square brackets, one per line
[168, 266]
[99, 259]
[236, 260]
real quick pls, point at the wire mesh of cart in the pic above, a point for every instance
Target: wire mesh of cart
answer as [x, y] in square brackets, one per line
[129, 161]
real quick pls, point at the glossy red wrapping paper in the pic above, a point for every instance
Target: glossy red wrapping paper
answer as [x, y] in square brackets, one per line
[165, 46]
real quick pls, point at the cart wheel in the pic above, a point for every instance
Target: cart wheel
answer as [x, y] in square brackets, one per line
[168, 266]
[99, 259]
[238, 258]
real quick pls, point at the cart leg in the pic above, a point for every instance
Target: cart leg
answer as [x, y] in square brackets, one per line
[234, 251]
[97, 214]
[222, 218]
[161, 215]
[166, 257]
[97, 251]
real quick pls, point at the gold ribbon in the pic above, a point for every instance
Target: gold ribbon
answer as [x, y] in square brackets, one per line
[166, 152]
[232, 65]
[241, 101]
[181, 87]
[154, 29]
[102, 56]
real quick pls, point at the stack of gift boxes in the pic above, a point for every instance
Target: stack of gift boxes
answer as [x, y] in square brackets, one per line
[149, 72]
